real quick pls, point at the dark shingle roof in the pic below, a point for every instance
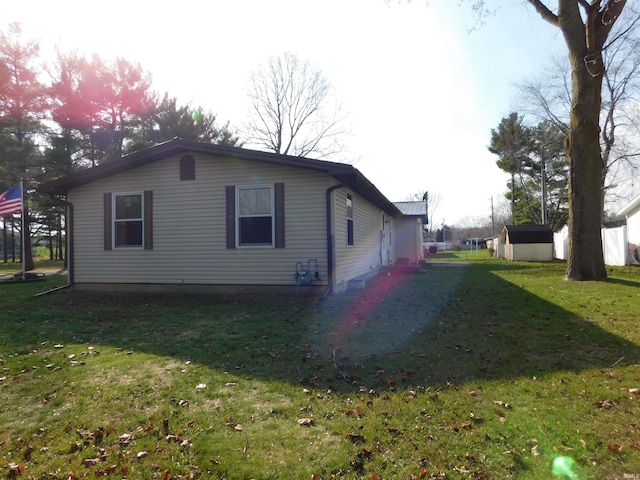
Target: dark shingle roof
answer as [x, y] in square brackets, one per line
[528, 233]
[343, 172]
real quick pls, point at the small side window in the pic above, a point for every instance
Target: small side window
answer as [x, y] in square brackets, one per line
[349, 219]
[187, 167]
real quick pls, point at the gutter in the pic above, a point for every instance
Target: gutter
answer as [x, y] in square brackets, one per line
[330, 272]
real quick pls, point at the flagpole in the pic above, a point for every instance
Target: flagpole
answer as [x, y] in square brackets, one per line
[24, 234]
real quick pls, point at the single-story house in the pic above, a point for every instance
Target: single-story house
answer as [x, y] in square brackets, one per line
[528, 243]
[631, 212]
[408, 231]
[186, 215]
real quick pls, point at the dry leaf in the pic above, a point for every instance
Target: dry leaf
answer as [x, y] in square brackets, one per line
[307, 422]
[614, 447]
[604, 404]
[563, 448]
[142, 454]
[355, 437]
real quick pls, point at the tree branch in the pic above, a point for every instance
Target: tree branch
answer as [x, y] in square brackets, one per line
[544, 12]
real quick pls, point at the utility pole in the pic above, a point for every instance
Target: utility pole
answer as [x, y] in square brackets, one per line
[543, 179]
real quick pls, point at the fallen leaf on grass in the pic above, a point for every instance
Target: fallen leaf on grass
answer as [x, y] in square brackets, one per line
[106, 471]
[355, 437]
[91, 462]
[462, 469]
[27, 453]
[604, 404]
[614, 447]
[307, 422]
[563, 448]
[75, 447]
[125, 439]
[15, 470]
[142, 454]
[236, 426]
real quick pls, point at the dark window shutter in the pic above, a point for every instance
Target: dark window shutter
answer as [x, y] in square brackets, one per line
[187, 167]
[231, 216]
[279, 214]
[148, 220]
[108, 222]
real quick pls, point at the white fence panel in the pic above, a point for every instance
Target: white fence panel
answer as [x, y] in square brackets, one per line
[614, 245]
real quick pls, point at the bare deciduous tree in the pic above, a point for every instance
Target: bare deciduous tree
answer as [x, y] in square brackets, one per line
[293, 110]
[548, 97]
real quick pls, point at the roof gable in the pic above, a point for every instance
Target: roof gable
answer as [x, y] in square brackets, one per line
[344, 173]
[631, 207]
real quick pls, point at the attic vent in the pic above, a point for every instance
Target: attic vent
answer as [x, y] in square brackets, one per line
[187, 167]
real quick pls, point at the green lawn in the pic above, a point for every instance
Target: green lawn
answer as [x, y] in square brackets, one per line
[485, 372]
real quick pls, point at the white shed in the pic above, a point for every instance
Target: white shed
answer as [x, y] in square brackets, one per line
[528, 243]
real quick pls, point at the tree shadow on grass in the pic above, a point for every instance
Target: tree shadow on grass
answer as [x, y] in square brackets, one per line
[450, 324]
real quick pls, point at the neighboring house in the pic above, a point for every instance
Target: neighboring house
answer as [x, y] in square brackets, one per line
[528, 243]
[631, 212]
[186, 215]
[409, 232]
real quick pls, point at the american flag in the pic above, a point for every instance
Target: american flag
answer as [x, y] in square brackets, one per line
[11, 200]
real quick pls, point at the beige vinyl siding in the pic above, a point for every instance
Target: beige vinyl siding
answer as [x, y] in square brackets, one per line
[189, 226]
[364, 256]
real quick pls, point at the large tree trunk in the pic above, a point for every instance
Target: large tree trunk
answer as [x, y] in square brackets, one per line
[586, 260]
[585, 26]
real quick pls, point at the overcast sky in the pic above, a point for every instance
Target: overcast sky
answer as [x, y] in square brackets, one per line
[422, 92]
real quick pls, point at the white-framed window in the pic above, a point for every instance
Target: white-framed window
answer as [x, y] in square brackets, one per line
[128, 220]
[350, 239]
[255, 216]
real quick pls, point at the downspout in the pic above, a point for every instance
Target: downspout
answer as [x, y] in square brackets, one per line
[330, 271]
[69, 242]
